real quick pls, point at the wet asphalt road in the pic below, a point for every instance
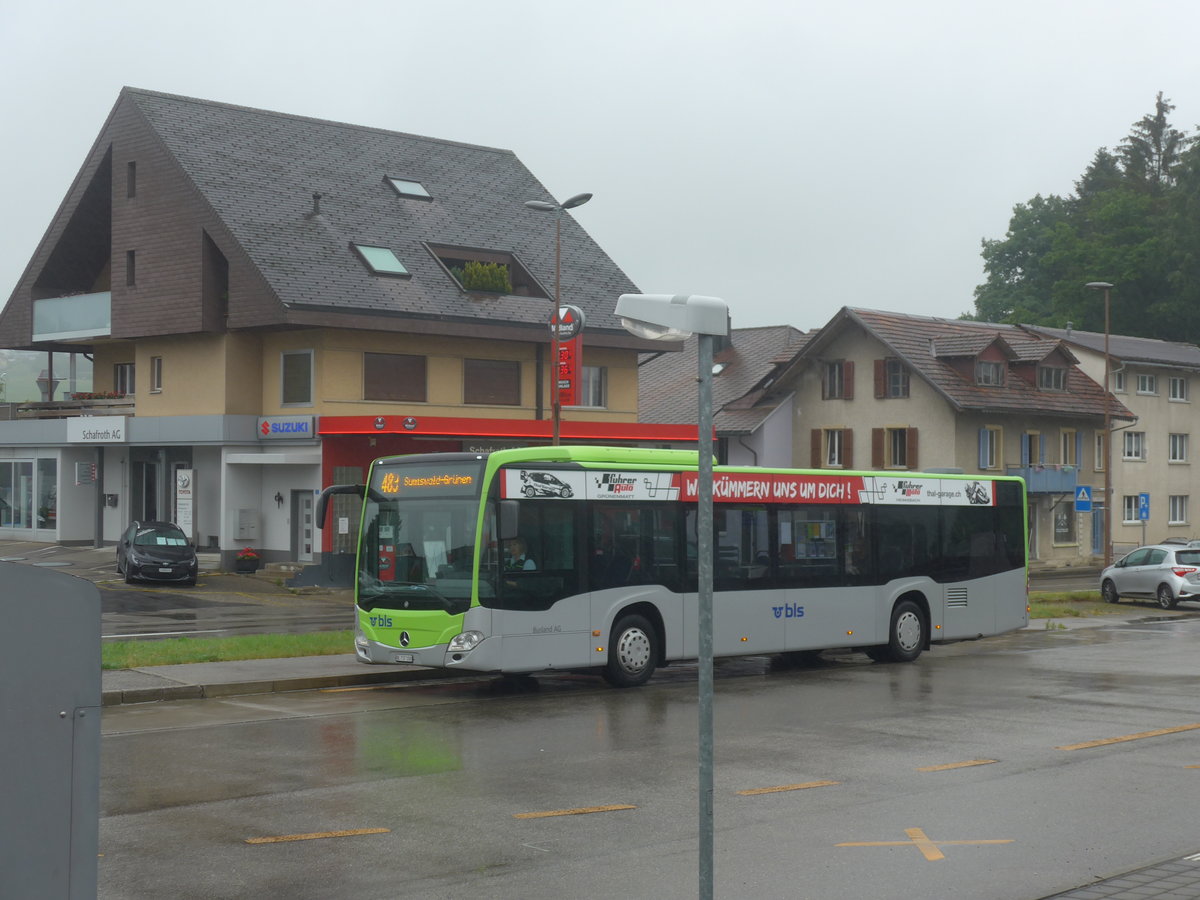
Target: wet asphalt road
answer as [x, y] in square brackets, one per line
[1009, 768]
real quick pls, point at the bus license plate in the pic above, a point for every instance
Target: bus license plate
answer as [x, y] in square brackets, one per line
[402, 657]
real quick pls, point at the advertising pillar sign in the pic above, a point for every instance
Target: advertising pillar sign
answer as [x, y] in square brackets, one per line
[184, 500]
[569, 323]
[568, 371]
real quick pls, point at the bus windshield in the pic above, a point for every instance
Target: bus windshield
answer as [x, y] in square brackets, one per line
[418, 537]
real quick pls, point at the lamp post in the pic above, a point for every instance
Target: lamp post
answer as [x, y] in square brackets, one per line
[1108, 510]
[557, 209]
[677, 317]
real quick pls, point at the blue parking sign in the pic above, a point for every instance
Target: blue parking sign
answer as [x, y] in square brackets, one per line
[1143, 507]
[1083, 498]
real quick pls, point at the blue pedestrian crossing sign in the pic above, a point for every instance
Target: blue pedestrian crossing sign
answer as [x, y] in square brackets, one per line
[1143, 506]
[1083, 498]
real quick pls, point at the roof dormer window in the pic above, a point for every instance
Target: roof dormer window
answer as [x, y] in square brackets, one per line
[406, 187]
[988, 373]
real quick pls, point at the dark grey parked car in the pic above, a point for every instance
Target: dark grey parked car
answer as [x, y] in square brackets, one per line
[1165, 572]
[156, 551]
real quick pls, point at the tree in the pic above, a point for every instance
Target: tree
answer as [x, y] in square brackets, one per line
[1134, 220]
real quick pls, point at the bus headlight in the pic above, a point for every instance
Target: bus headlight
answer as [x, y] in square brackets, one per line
[468, 640]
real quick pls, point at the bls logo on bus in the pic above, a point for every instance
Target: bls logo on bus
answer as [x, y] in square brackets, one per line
[380, 621]
[789, 611]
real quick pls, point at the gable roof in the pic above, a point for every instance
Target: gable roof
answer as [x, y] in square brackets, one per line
[744, 393]
[1147, 351]
[914, 340]
[258, 172]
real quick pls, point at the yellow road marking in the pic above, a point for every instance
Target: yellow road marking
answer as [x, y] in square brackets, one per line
[958, 765]
[787, 787]
[929, 848]
[279, 839]
[580, 811]
[1129, 737]
[1192, 767]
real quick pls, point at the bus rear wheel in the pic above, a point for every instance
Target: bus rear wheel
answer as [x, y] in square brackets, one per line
[631, 652]
[906, 635]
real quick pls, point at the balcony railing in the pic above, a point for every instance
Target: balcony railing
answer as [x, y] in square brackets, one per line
[1047, 478]
[72, 318]
[64, 409]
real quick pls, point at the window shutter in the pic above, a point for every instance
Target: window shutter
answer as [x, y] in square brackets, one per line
[816, 448]
[876, 448]
[1078, 448]
[910, 440]
[848, 447]
[1041, 449]
[848, 382]
[983, 454]
[880, 379]
[1025, 449]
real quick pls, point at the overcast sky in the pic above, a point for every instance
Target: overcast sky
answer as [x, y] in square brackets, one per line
[789, 157]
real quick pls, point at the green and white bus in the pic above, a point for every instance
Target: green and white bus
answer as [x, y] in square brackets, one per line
[550, 559]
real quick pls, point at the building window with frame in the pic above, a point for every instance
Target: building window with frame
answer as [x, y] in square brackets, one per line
[296, 378]
[837, 380]
[131, 179]
[123, 382]
[991, 440]
[1052, 378]
[1177, 509]
[1098, 462]
[394, 376]
[891, 379]
[1179, 389]
[593, 386]
[130, 268]
[894, 448]
[1118, 382]
[1178, 451]
[1064, 521]
[1147, 384]
[1068, 441]
[833, 458]
[492, 382]
[1135, 445]
[156, 374]
[1129, 509]
[989, 373]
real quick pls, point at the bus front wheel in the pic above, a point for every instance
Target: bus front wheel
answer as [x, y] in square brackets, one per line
[906, 636]
[631, 652]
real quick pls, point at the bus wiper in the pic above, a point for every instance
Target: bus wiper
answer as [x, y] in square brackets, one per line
[417, 595]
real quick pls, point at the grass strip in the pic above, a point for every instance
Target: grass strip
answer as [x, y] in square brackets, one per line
[176, 651]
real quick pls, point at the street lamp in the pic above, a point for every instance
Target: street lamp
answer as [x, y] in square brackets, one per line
[675, 318]
[557, 209]
[1108, 510]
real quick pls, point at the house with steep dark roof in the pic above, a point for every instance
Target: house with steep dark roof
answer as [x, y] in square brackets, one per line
[269, 301]
[752, 410]
[883, 390]
[1152, 459]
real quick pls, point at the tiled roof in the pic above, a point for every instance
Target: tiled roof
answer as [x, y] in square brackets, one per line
[913, 338]
[259, 170]
[1129, 349]
[742, 391]
[959, 345]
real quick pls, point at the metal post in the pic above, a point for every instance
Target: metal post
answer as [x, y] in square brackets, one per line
[1108, 497]
[704, 550]
[556, 409]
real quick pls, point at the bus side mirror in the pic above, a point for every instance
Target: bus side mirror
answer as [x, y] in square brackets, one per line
[508, 519]
[323, 500]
